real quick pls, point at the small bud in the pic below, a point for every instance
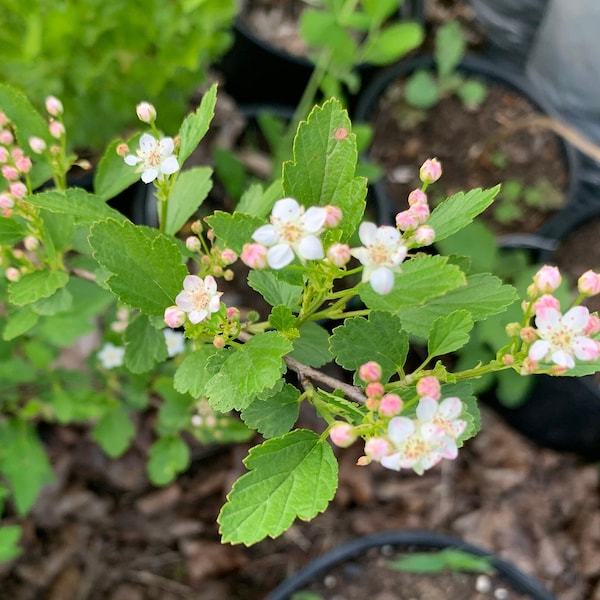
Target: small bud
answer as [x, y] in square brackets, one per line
[430, 387]
[4, 154]
[417, 196]
[529, 366]
[17, 189]
[528, 334]
[372, 402]
[228, 275]
[31, 243]
[23, 164]
[547, 279]
[424, 235]
[13, 274]
[390, 405]
[10, 173]
[406, 221]
[37, 144]
[196, 421]
[333, 215]
[430, 171]
[370, 371]
[192, 243]
[174, 317]
[593, 325]
[421, 211]
[376, 448]
[146, 113]
[342, 434]
[6, 201]
[374, 389]
[56, 129]
[254, 256]
[218, 342]
[196, 227]
[123, 150]
[228, 256]
[338, 254]
[232, 313]
[589, 283]
[508, 360]
[6, 137]
[54, 106]
[217, 270]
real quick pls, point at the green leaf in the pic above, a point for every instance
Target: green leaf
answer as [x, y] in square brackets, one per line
[114, 431]
[282, 319]
[23, 462]
[19, 322]
[145, 345]
[257, 202]
[380, 338]
[311, 348]
[11, 231]
[195, 125]
[168, 456]
[35, 286]
[449, 333]
[190, 191]
[453, 559]
[234, 230]
[459, 210]
[254, 367]
[176, 409]
[450, 46]
[483, 296]
[422, 278]
[113, 175]
[472, 93]
[392, 43]
[478, 242]
[86, 208]
[422, 90]
[9, 538]
[192, 375]
[274, 290]
[146, 266]
[289, 477]
[275, 415]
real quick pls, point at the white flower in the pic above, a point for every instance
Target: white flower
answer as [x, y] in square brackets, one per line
[292, 231]
[562, 337]
[381, 255]
[175, 342]
[154, 157]
[199, 297]
[111, 356]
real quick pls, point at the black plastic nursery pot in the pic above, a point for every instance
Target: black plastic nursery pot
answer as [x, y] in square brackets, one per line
[478, 68]
[344, 568]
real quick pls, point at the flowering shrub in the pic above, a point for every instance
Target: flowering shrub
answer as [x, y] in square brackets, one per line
[340, 289]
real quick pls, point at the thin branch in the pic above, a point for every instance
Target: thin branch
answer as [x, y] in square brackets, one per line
[88, 275]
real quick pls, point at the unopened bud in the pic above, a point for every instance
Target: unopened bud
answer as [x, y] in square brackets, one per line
[31, 243]
[547, 279]
[374, 389]
[54, 106]
[174, 317]
[37, 144]
[339, 254]
[417, 196]
[424, 235]
[196, 227]
[370, 371]
[218, 342]
[430, 171]
[376, 448]
[589, 283]
[56, 129]
[390, 405]
[146, 112]
[528, 334]
[429, 387]
[13, 274]
[333, 215]
[123, 150]
[193, 244]
[254, 256]
[342, 434]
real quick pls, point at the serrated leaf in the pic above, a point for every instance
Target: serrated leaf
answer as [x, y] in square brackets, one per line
[483, 296]
[392, 43]
[19, 322]
[146, 266]
[380, 338]
[254, 367]
[294, 476]
[312, 347]
[23, 462]
[35, 286]
[168, 456]
[258, 202]
[145, 345]
[196, 124]
[449, 333]
[190, 191]
[86, 208]
[192, 375]
[175, 411]
[113, 175]
[61, 301]
[422, 278]
[234, 230]
[114, 431]
[422, 90]
[11, 231]
[459, 210]
[275, 415]
[282, 318]
[9, 538]
[274, 289]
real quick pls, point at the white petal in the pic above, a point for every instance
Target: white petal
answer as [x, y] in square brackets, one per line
[149, 175]
[310, 248]
[314, 219]
[169, 165]
[266, 235]
[191, 282]
[166, 146]
[214, 304]
[184, 302]
[382, 280]
[585, 348]
[539, 349]
[280, 256]
[549, 319]
[132, 160]
[196, 316]
[286, 209]
[399, 429]
[448, 448]
[576, 318]
[361, 253]
[563, 359]
[450, 408]
[387, 235]
[367, 232]
[147, 143]
[392, 461]
[426, 408]
[399, 255]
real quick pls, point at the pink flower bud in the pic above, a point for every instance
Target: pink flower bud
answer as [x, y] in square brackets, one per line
[421, 211]
[54, 106]
[6, 137]
[557, 370]
[192, 243]
[430, 387]
[146, 112]
[218, 342]
[56, 129]
[374, 389]
[529, 366]
[545, 302]
[3, 154]
[528, 334]
[593, 326]
[508, 360]
[589, 283]
[3, 119]
[430, 171]
[372, 403]
[370, 371]
[339, 254]
[406, 220]
[254, 256]
[424, 235]
[31, 243]
[18, 189]
[333, 215]
[174, 317]
[547, 279]
[10, 173]
[13, 274]
[228, 256]
[342, 434]
[196, 227]
[376, 448]
[417, 196]
[37, 144]
[123, 150]
[232, 312]
[390, 405]
[23, 163]
[6, 201]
